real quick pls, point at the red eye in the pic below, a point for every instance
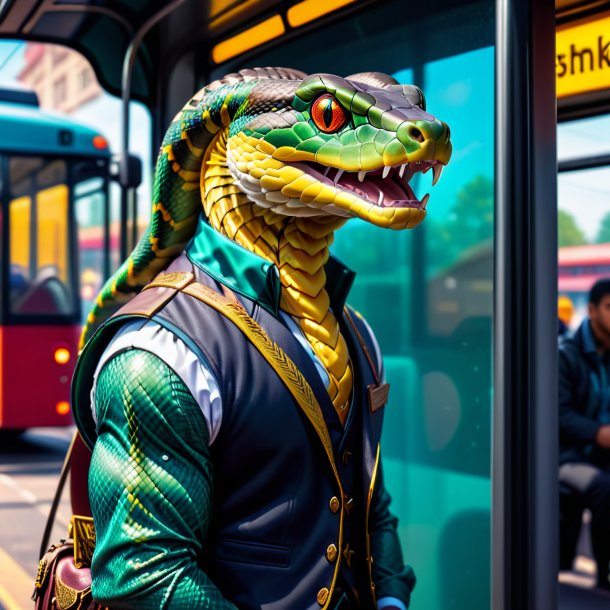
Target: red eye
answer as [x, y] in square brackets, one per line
[327, 114]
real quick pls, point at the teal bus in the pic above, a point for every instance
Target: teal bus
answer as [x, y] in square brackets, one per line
[51, 172]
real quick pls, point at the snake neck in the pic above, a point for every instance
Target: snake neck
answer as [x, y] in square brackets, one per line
[299, 247]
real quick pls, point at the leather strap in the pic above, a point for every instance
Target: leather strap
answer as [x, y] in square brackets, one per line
[229, 306]
[63, 475]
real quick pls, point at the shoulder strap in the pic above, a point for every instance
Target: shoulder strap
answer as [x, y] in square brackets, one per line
[63, 475]
[231, 308]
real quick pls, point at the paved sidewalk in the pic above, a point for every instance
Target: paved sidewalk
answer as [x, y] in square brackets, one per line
[16, 585]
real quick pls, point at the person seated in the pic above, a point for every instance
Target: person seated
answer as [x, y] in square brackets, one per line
[584, 420]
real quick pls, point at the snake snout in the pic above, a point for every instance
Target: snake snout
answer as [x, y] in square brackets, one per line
[416, 134]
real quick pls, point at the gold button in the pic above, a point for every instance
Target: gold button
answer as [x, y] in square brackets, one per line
[334, 504]
[331, 553]
[322, 596]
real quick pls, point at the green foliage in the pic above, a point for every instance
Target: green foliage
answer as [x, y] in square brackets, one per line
[603, 235]
[469, 224]
[568, 232]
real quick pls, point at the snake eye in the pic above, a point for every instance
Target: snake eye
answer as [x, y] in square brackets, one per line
[327, 114]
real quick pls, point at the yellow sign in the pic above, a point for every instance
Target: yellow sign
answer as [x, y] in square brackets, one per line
[583, 57]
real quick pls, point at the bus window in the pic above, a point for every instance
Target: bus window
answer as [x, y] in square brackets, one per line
[90, 201]
[39, 236]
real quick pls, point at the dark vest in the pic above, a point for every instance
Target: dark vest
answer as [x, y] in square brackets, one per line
[281, 535]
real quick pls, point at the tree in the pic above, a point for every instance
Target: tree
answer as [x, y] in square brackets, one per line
[569, 233]
[469, 224]
[603, 235]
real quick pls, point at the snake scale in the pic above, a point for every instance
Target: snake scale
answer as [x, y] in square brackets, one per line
[277, 161]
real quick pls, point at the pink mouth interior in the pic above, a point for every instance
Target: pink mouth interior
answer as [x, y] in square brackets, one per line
[393, 191]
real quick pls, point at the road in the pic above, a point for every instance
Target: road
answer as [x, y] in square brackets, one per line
[29, 469]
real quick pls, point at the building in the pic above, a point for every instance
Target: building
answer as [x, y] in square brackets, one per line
[62, 78]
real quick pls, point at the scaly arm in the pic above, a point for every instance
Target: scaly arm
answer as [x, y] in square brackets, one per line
[150, 489]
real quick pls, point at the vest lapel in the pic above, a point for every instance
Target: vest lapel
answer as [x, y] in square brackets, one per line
[372, 420]
[282, 335]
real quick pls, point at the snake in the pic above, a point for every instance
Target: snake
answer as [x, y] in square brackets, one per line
[278, 160]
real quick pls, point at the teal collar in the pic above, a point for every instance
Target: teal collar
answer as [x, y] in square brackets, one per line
[251, 275]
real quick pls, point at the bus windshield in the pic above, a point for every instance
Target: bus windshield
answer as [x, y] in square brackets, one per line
[41, 236]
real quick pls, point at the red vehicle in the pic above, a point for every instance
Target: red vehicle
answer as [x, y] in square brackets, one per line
[579, 268]
[56, 173]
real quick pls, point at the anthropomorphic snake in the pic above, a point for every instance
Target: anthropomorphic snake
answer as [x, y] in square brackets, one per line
[277, 161]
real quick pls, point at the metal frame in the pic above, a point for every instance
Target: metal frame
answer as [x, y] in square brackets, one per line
[525, 436]
[570, 165]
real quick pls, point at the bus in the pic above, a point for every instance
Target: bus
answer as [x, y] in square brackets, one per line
[51, 171]
[579, 268]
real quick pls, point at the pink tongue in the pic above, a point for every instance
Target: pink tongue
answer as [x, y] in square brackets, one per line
[371, 187]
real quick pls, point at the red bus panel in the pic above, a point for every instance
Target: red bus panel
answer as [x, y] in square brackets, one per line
[35, 389]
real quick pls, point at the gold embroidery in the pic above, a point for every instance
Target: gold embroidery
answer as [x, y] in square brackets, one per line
[66, 596]
[177, 280]
[41, 575]
[83, 532]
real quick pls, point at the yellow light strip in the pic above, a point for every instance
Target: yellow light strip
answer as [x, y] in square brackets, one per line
[259, 34]
[308, 10]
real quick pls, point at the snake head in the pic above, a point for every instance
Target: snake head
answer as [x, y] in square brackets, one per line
[347, 147]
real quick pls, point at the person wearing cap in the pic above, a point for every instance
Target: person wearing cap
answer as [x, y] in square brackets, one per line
[565, 313]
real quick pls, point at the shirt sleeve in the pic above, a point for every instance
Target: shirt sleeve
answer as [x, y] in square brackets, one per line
[390, 602]
[392, 578]
[150, 487]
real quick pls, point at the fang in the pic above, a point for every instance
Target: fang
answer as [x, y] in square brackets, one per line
[436, 170]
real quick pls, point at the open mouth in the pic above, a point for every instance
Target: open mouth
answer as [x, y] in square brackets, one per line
[386, 187]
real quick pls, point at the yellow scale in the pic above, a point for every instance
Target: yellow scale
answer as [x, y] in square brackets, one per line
[300, 254]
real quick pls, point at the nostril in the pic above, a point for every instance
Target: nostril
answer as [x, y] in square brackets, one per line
[416, 134]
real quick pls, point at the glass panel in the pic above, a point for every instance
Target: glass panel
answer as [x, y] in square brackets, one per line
[40, 258]
[583, 225]
[583, 138]
[584, 257]
[428, 293]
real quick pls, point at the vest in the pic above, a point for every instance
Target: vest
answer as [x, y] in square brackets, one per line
[287, 528]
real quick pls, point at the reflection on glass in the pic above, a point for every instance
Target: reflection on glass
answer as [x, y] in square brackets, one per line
[428, 293]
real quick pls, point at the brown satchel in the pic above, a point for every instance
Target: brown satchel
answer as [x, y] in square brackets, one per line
[63, 581]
